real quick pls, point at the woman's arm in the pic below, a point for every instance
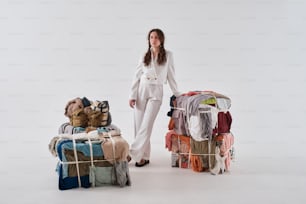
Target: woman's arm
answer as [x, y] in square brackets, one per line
[136, 80]
[171, 76]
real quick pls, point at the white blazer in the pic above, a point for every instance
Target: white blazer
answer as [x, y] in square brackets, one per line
[162, 74]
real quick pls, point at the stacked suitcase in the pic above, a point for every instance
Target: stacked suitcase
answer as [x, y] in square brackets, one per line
[90, 149]
[199, 135]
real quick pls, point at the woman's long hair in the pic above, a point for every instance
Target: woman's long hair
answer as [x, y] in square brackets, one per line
[161, 58]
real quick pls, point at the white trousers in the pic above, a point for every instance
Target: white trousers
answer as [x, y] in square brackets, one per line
[147, 106]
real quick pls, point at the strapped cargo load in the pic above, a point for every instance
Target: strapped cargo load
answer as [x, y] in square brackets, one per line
[203, 119]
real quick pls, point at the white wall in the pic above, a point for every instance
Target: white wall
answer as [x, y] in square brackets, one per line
[54, 51]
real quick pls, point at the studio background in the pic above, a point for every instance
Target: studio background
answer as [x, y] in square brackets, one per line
[253, 51]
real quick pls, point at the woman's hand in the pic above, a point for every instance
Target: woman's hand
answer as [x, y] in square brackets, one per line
[132, 103]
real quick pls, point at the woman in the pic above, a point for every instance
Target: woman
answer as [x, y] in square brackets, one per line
[154, 69]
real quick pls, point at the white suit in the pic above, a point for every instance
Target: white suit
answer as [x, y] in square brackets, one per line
[147, 90]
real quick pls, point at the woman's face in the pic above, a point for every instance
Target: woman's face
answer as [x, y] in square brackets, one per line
[154, 40]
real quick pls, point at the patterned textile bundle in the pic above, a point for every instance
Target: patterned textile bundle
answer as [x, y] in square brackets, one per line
[91, 159]
[90, 149]
[83, 113]
[203, 117]
[79, 118]
[99, 116]
[200, 161]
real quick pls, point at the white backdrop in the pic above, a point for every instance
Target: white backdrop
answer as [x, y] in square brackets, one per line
[53, 51]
